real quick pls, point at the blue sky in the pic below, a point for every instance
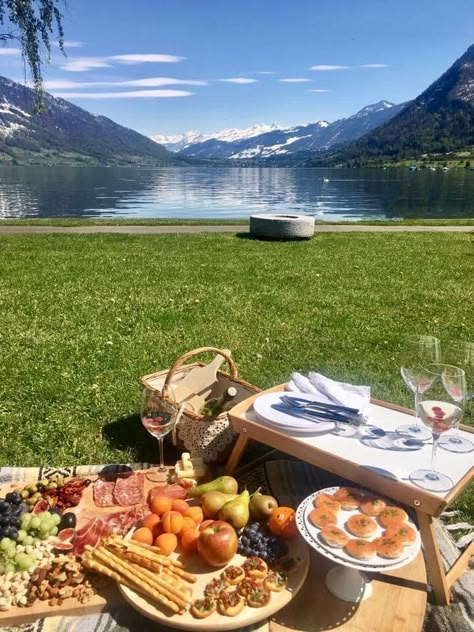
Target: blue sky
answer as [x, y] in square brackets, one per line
[168, 66]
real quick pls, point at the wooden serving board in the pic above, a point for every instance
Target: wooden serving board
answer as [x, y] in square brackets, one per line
[108, 597]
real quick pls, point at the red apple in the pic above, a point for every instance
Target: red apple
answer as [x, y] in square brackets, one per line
[217, 543]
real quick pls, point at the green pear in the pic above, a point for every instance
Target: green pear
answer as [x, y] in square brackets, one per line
[236, 512]
[224, 484]
[213, 501]
[262, 505]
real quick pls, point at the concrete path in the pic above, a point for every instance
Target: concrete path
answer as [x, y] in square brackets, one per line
[161, 230]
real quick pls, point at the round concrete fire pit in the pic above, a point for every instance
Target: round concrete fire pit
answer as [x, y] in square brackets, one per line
[269, 226]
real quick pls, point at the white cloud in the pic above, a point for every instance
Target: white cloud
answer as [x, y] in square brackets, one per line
[82, 64]
[148, 82]
[10, 52]
[373, 66]
[145, 58]
[136, 94]
[295, 80]
[319, 90]
[324, 67]
[69, 44]
[266, 72]
[241, 80]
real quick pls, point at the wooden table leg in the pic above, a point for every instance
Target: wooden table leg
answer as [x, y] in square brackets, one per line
[236, 453]
[434, 563]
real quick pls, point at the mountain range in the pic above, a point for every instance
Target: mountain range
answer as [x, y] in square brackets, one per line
[272, 143]
[67, 134]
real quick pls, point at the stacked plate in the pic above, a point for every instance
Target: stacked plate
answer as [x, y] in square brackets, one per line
[272, 412]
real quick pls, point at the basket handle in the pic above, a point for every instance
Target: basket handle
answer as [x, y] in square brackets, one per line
[233, 369]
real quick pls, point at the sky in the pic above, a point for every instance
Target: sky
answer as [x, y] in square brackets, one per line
[169, 66]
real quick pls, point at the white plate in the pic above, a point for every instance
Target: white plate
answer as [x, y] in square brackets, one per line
[312, 537]
[264, 406]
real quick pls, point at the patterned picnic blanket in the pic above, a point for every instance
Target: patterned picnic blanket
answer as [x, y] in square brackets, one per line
[290, 481]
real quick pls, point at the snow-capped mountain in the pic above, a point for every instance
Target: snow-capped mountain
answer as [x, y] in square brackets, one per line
[264, 142]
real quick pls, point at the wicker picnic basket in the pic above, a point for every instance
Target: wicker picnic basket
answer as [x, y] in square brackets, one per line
[210, 438]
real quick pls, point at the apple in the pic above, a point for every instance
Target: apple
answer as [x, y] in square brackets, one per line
[217, 543]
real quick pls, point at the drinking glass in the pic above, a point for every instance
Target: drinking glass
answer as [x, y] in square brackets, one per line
[440, 408]
[417, 352]
[461, 354]
[159, 418]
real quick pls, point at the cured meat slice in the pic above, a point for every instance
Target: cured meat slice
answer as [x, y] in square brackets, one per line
[104, 493]
[130, 490]
[173, 491]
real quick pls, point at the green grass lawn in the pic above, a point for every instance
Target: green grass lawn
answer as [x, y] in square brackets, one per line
[83, 317]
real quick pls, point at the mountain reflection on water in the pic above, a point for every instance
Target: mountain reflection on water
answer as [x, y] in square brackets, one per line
[227, 193]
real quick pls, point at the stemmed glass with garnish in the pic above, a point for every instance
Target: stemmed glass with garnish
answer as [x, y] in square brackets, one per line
[417, 353]
[461, 354]
[440, 408]
[159, 418]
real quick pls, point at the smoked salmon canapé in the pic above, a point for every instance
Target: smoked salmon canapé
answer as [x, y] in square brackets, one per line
[335, 537]
[392, 517]
[327, 501]
[405, 533]
[390, 548]
[360, 549]
[349, 498]
[372, 506]
[322, 517]
[361, 526]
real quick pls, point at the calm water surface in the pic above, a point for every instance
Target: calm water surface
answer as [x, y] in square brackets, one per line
[224, 193]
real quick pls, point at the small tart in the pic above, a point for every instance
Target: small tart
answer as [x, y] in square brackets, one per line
[372, 506]
[349, 498]
[361, 526]
[389, 547]
[258, 597]
[405, 533]
[327, 501]
[322, 517]
[247, 585]
[202, 608]
[214, 587]
[255, 567]
[233, 575]
[392, 516]
[274, 581]
[360, 549]
[335, 537]
[230, 603]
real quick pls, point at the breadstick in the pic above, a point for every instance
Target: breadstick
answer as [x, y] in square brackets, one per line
[122, 579]
[138, 578]
[175, 567]
[142, 548]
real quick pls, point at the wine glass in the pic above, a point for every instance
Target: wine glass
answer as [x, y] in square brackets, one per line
[417, 352]
[461, 354]
[159, 418]
[440, 408]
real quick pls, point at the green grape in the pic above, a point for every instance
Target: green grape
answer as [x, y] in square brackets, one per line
[4, 544]
[35, 522]
[2, 569]
[25, 520]
[54, 531]
[10, 567]
[25, 563]
[21, 535]
[43, 536]
[11, 553]
[28, 541]
[33, 555]
[18, 557]
[44, 528]
[56, 519]
[35, 540]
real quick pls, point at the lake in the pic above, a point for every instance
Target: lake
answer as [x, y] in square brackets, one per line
[228, 193]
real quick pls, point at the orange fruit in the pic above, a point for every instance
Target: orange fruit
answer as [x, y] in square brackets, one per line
[172, 522]
[179, 504]
[160, 504]
[195, 513]
[205, 524]
[282, 522]
[167, 543]
[189, 539]
[144, 535]
[150, 521]
[188, 523]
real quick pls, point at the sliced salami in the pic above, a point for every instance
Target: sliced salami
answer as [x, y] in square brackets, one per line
[130, 490]
[104, 493]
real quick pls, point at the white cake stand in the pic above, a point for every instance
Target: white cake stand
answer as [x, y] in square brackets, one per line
[348, 581]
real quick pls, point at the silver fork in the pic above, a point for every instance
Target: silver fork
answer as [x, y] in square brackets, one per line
[298, 403]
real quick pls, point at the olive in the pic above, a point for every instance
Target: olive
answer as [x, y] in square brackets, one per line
[41, 488]
[36, 497]
[52, 485]
[44, 481]
[68, 521]
[32, 488]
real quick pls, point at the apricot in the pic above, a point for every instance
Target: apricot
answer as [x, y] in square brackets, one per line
[188, 523]
[151, 521]
[180, 505]
[144, 535]
[195, 513]
[189, 539]
[172, 522]
[167, 543]
[160, 504]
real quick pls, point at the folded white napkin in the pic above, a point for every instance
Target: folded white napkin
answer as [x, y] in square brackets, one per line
[336, 392]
